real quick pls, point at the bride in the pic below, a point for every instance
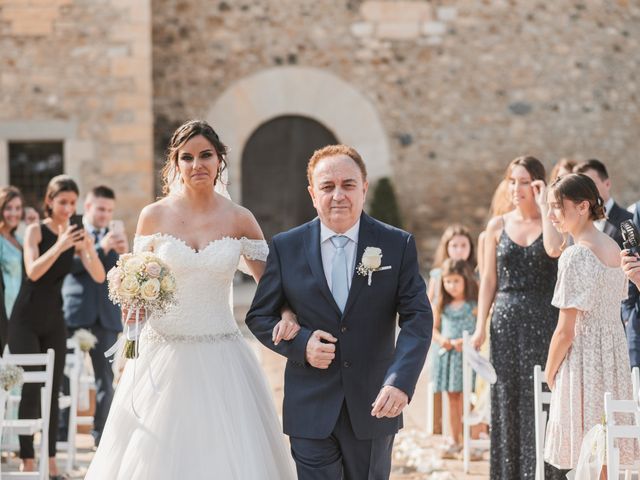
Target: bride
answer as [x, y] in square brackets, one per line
[195, 404]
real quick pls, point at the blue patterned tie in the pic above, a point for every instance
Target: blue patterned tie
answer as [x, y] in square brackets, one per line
[340, 272]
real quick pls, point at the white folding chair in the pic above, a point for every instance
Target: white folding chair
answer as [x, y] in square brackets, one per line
[74, 362]
[444, 402]
[614, 431]
[3, 403]
[26, 426]
[467, 384]
[635, 382]
[540, 398]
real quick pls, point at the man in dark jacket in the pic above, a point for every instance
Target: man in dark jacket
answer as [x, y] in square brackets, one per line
[631, 306]
[86, 303]
[596, 170]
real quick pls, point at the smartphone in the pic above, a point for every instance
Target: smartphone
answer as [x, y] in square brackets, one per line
[116, 227]
[76, 221]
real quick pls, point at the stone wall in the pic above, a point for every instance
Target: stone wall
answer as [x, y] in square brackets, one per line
[80, 71]
[461, 87]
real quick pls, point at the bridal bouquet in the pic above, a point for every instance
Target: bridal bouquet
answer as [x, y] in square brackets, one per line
[140, 282]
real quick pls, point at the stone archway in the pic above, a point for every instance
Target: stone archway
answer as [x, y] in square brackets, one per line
[274, 165]
[300, 91]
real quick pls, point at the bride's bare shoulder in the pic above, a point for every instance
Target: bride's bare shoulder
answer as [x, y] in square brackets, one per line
[151, 217]
[246, 223]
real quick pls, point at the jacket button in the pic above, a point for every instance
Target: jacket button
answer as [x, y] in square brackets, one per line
[347, 364]
[344, 329]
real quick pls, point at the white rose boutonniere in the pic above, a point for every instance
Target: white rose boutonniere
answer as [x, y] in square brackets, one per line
[371, 262]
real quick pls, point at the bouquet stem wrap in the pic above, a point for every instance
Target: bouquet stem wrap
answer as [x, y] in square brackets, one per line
[132, 334]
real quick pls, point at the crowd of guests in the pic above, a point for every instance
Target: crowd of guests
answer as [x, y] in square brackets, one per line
[550, 292]
[53, 282]
[544, 287]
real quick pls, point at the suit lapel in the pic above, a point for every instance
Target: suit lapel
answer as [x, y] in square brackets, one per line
[314, 257]
[367, 237]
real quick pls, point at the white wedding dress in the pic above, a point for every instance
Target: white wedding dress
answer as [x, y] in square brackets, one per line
[205, 410]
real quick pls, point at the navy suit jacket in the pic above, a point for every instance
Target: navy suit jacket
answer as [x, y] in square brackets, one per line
[86, 302]
[631, 310]
[368, 355]
[616, 216]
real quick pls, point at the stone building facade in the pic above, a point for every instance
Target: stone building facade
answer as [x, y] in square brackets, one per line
[437, 95]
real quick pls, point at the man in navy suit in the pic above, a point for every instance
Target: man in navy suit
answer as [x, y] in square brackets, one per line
[597, 171]
[347, 378]
[631, 306]
[87, 304]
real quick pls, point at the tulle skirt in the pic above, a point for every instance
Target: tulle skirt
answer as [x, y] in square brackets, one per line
[203, 411]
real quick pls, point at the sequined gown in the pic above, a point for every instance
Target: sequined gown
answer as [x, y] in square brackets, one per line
[522, 324]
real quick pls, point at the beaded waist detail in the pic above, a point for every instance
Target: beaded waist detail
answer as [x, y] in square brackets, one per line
[153, 336]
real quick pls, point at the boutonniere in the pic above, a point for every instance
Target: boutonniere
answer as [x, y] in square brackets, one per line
[370, 262]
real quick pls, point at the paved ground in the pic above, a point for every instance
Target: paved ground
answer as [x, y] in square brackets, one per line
[414, 453]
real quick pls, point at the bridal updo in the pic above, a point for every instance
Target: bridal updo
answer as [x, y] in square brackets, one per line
[182, 135]
[578, 188]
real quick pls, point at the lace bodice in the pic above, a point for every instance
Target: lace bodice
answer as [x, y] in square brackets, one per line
[595, 289]
[204, 278]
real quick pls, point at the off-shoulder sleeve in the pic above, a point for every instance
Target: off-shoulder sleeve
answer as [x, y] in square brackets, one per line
[577, 282]
[255, 249]
[144, 243]
[252, 250]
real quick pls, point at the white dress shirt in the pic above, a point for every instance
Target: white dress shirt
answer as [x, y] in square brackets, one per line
[96, 232]
[599, 224]
[327, 250]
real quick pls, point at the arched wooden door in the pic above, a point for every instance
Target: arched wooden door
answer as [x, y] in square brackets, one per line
[274, 171]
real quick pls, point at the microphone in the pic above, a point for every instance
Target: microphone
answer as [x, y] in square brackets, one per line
[630, 237]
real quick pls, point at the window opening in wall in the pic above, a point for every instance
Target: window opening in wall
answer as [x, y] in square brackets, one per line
[31, 165]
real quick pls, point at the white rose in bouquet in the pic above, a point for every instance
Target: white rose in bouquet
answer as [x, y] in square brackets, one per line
[168, 284]
[150, 289]
[372, 258]
[129, 286]
[114, 278]
[133, 265]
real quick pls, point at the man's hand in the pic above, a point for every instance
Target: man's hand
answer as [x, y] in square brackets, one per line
[320, 354]
[389, 403]
[114, 241]
[631, 267]
[287, 328]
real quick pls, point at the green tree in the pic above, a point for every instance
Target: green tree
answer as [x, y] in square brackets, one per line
[384, 205]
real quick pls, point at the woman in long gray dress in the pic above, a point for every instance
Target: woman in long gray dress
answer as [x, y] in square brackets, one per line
[518, 278]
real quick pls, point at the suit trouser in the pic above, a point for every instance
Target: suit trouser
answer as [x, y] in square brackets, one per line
[103, 372]
[633, 339]
[342, 455]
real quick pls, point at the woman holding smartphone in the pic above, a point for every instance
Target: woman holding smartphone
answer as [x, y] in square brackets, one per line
[37, 322]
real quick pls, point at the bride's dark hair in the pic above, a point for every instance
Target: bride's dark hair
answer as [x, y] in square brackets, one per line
[182, 135]
[578, 188]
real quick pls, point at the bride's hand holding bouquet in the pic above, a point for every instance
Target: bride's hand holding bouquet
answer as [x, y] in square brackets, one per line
[140, 284]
